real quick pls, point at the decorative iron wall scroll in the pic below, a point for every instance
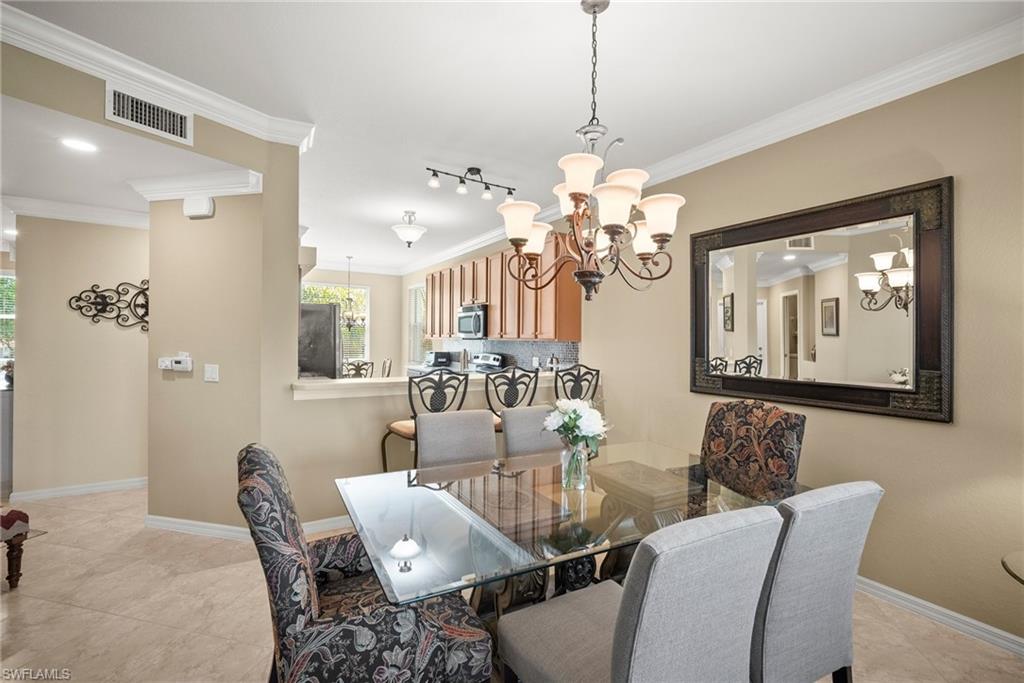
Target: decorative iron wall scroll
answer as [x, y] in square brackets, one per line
[127, 304]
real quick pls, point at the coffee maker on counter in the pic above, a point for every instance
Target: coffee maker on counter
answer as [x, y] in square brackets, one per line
[437, 359]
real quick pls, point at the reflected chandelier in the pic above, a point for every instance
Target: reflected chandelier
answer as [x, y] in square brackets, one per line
[894, 275]
[596, 242]
[349, 318]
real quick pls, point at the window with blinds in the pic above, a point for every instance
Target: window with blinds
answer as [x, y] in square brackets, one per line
[418, 342]
[355, 343]
[7, 297]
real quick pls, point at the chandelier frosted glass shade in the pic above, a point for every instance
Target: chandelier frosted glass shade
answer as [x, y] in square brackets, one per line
[518, 217]
[643, 244]
[580, 169]
[538, 234]
[883, 260]
[869, 282]
[661, 212]
[615, 202]
[634, 177]
[900, 277]
[565, 203]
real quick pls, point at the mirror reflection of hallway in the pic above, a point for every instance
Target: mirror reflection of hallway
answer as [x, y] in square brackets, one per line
[790, 336]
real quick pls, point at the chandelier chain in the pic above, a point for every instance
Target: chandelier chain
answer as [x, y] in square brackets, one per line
[593, 71]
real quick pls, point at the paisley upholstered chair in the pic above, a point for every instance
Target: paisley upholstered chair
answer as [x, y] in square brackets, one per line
[753, 448]
[331, 620]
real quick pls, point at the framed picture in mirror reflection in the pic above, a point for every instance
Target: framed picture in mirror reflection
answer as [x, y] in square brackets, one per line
[830, 317]
[727, 320]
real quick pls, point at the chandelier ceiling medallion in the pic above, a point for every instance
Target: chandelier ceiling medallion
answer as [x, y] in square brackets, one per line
[603, 219]
[349, 318]
[894, 275]
[407, 230]
[473, 174]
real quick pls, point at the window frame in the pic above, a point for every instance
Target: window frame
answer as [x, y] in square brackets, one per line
[412, 359]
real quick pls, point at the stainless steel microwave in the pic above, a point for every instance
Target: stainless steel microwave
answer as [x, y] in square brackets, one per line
[472, 322]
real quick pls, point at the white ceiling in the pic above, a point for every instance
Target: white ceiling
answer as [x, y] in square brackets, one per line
[393, 87]
[36, 165]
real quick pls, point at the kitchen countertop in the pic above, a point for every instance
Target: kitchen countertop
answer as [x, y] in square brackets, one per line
[307, 389]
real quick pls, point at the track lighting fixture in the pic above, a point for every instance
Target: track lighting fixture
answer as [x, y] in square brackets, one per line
[472, 175]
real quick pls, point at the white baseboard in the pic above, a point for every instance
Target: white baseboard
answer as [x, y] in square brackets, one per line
[78, 490]
[236, 533]
[957, 622]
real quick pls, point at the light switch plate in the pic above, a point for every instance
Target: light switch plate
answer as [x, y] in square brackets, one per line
[211, 372]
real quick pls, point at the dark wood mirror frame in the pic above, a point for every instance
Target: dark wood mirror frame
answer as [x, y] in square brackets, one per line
[931, 204]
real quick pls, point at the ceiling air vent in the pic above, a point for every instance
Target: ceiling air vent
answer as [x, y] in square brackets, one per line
[800, 243]
[145, 114]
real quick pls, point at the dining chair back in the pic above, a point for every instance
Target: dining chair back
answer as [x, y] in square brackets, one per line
[437, 391]
[525, 433]
[357, 368]
[749, 366]
[577, 381]
[453, 438]
[266, 503]
[510, 388]
[718, 365]
[690, 596]
[804, 627]
[385, 367]
[752, 447]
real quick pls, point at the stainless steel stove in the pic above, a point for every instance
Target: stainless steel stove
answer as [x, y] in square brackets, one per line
[489, 362]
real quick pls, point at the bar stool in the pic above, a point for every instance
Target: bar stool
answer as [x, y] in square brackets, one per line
[433, 392]
[385, 367]
[509, 388]
[577, 381]
[357, 368]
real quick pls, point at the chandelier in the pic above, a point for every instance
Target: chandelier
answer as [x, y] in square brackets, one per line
[349, 318]
[407, 230]
[603, 219]
[894, 275]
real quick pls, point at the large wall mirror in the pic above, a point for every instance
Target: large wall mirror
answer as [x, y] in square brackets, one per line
[847, 305]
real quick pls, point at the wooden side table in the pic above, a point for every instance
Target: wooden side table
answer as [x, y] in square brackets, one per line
[14, 531]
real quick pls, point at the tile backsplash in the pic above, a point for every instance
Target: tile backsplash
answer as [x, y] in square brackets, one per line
[524, 351]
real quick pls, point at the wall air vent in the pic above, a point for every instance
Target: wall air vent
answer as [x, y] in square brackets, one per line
[800, 243]
[148, 115]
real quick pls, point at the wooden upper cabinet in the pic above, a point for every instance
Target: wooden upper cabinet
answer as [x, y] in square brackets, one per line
[546, 299]
[456, 299]
[430, 289]
[445, 303]
[481, 280]
[495, 295]
[511, 311]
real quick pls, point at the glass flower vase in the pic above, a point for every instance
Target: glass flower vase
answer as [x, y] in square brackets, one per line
[574, 466]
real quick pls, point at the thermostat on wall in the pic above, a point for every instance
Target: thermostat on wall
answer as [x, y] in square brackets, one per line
[180, 363]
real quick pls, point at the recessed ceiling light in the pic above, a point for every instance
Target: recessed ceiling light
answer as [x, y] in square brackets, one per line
[78, 145]
[789, 257]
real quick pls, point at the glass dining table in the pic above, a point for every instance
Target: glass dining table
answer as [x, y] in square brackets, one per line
[503, 523]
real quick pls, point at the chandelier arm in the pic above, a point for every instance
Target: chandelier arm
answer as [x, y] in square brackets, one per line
[567, 246]
[645, 272]
[870, 303]
[551, 272]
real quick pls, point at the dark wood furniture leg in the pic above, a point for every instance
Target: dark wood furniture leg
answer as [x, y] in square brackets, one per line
[384, 450]
[508, 675]
[14, 551]
[844, 675]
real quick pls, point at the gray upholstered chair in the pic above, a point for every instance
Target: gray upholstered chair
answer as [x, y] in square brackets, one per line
[804, 627]
[525, 433]
[452, 438]
[685, 612]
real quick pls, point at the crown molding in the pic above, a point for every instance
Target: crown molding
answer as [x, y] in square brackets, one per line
[79, 213]
[483, 240]
[830, 262]
[28, 32]
[216, 184]
[976, 52]
[371, 269]
[798, 271]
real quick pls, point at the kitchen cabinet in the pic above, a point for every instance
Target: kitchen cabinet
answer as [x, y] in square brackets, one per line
[495, 295]
[514, 310]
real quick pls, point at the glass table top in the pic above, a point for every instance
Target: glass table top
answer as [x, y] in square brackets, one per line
[438, 530]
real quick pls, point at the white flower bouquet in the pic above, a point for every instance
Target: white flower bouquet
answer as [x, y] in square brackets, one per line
[581, 427]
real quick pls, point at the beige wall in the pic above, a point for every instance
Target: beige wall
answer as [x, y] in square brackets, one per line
[80, 398]
[954, 502]
[831, 364]
[387, 298]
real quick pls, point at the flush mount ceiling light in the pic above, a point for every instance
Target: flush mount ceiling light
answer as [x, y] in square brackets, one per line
[594, 245]
[78, 145]
[472, 175]
[407, 230]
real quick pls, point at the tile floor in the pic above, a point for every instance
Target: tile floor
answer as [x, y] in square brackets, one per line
[114, 601]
